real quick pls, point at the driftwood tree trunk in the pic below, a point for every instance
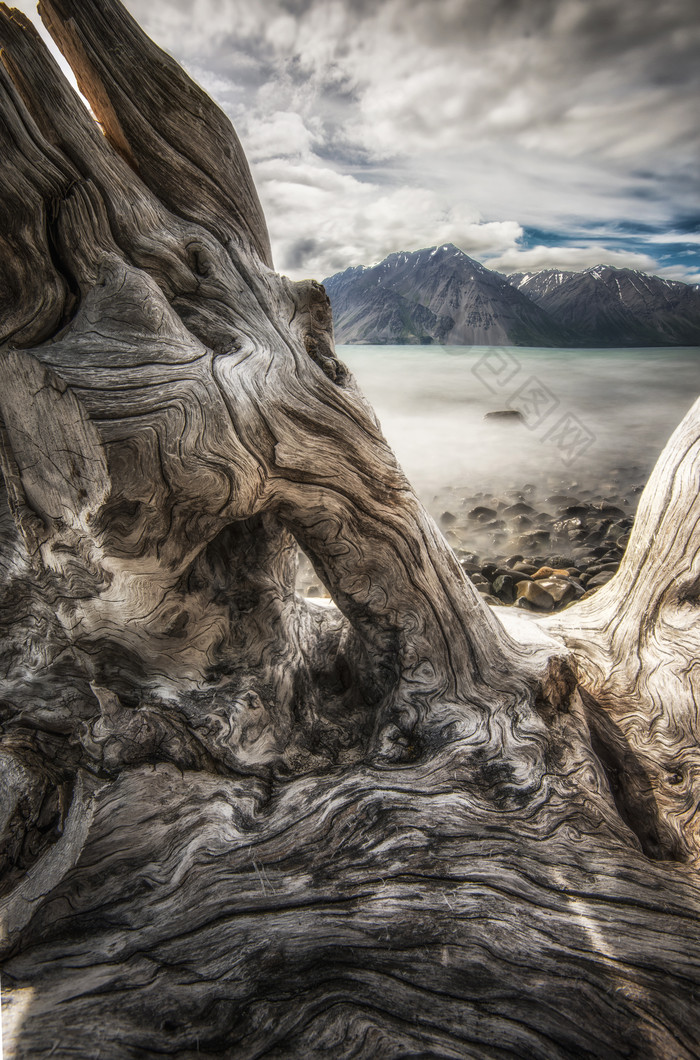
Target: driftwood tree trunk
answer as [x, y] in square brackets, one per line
[235, 822]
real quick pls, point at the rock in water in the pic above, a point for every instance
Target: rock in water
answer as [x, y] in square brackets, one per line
[509, 415]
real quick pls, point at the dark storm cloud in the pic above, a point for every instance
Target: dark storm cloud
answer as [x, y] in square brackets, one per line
[300, 252]
[376, 125]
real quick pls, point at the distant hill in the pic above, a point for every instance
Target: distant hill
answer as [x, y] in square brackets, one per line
[441, 295]
[605, 306]
[436, 295]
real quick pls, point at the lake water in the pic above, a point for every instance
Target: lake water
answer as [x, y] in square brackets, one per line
[583, 413]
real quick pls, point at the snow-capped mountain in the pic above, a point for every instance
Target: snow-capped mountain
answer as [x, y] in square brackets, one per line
[436, 295]
[537, 284]
[441, 295]
[605, 306]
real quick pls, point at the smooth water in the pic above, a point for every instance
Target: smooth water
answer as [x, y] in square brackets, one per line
[584, 412]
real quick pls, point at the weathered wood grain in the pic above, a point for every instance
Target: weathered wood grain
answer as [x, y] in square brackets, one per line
[161, 122]
[399, 913]
[234, 822]
[637, 642]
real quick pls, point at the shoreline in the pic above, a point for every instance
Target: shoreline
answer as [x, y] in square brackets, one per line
[541, 553]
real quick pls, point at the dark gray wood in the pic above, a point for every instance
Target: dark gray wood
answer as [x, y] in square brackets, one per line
[234, 821]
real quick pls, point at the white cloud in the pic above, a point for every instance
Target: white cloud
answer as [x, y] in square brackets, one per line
[679, 272]
[675, 237]
[574, 258]
[281, 134]
[377, 125]
[326, 221]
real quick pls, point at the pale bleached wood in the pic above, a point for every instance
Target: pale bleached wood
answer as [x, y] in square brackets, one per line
[636, 641]
[235, 822]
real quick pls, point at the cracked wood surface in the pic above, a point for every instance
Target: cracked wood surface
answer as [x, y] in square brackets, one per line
[235, 822]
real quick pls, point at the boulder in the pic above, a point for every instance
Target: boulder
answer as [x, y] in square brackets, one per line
[524, 604]
[573, 511]
[611, 511]
[521, 508]
[482, 514]
[562, 561]
[504, 588]
[561, 590]
[567, 526]
[550, 572]
[599, 579]
[535, 595]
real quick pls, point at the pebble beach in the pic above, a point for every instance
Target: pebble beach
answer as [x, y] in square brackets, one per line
[541, 550]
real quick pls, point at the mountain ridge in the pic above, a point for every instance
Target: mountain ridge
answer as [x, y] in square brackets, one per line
[605, 305]
[440, 294]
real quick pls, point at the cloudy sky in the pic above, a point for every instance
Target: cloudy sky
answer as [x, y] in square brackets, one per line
[531, 133]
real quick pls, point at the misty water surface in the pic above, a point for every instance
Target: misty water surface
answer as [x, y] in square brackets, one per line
[432, 400]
